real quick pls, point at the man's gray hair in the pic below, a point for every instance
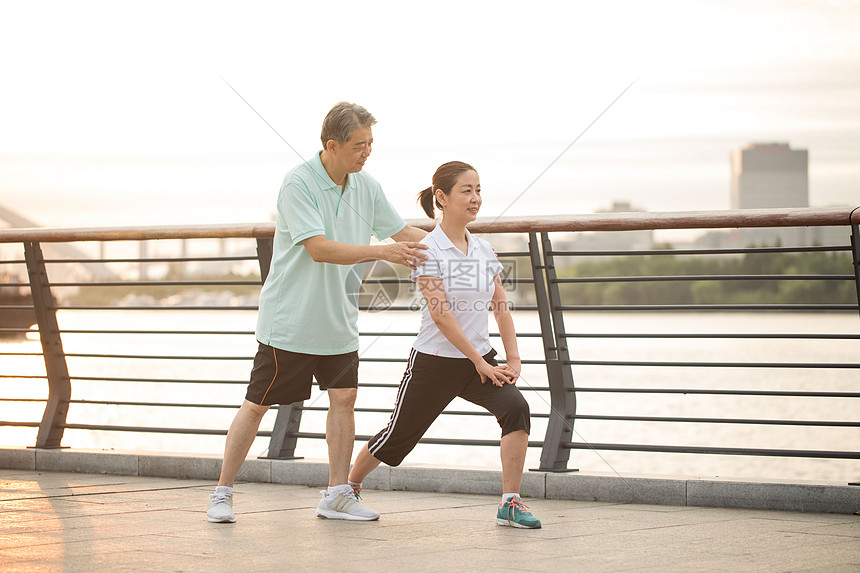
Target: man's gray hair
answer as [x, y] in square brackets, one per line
[342, 120]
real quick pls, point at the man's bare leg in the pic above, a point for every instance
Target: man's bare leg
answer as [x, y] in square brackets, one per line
[240, 436]
[340, 433]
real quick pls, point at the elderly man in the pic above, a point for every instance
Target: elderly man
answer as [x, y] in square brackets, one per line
[328, 207]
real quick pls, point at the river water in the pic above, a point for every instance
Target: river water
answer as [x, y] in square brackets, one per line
[242, 348]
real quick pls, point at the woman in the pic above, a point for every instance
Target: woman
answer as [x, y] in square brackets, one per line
[452, 355]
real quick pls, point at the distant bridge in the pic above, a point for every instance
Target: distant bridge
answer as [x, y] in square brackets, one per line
[99, 270]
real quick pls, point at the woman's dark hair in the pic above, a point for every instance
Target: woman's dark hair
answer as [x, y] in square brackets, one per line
[445, 178]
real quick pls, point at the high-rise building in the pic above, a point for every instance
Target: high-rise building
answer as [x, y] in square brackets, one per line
[771, 175]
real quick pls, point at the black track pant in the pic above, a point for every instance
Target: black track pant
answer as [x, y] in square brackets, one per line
[428, 386]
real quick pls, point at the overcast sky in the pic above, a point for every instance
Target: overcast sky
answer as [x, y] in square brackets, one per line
[120, 113]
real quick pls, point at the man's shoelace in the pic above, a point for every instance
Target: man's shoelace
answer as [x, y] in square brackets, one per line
[351, 493]
[220, 497]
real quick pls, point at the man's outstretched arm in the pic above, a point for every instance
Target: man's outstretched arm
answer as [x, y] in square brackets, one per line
[409, 234]
[406, 253]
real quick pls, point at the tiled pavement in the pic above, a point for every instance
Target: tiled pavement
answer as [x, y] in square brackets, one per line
[51, 521]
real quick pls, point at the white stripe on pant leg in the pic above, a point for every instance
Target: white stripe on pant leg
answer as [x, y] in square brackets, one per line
[398, 402]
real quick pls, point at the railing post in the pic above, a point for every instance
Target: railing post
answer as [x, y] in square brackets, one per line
[855, 252]
[59, 385]
[265, 247]
[282, 444]
[554, 456]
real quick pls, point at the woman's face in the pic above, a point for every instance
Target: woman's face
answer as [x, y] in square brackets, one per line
[464, 201]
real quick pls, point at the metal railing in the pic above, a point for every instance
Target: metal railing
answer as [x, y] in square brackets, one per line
[551, 294]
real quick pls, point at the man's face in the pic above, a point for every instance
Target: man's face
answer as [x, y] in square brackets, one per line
[352, 154]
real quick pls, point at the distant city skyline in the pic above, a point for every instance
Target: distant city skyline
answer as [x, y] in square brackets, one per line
[119, 114]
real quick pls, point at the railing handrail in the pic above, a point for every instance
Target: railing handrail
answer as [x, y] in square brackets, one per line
[633, 221]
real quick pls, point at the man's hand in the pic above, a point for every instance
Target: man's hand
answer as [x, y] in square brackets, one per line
[406, 253]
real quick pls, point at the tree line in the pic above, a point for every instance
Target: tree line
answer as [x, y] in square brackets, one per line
[785, 291]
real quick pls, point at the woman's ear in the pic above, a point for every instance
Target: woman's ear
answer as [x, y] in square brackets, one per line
[441, 198]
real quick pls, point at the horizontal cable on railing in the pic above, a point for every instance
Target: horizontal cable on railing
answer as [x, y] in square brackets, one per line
[195, 332]
[720, 392]
[721, 336]
[153, 430]
[712, 364]
[369, 359]
[393, 281]
[156, 260]
[19, 424]
[153, 404]
[679, 278]
[821, 423]
[714, 450]
[414, 334]
[157, 380]
[154, 356]
[741, 307]
[4, 353]
[738, 251]
[158, 283]
[157, 307]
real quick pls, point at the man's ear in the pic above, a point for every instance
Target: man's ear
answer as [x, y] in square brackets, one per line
[331, 146]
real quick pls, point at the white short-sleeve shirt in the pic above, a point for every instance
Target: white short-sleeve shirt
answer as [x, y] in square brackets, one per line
[468, 281]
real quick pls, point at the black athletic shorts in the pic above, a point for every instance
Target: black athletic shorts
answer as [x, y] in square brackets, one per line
[283, 377]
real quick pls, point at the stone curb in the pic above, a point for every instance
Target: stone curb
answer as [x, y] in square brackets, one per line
[818, 497]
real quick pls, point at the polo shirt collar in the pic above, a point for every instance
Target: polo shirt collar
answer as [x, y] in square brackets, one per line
[325, 178]
[445, 243]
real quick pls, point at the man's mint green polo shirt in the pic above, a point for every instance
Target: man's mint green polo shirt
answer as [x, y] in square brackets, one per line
[304, 305]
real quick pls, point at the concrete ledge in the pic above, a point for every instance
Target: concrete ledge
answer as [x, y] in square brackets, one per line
[611, 487]
[18, 458]
[820, 497]
[812, 497]
[87, 462]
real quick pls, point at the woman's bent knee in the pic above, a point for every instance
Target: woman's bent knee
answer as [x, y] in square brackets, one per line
[516, 417]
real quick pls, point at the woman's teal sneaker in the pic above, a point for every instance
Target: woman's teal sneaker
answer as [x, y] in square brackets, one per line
[515, 513]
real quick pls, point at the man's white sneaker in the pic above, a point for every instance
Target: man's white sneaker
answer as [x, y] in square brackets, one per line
[344, 506]
[221, 505]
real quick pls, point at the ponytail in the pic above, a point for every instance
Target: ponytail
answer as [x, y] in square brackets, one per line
[426, 198]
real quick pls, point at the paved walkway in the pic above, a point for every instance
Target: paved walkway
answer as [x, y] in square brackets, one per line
[84, 522]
